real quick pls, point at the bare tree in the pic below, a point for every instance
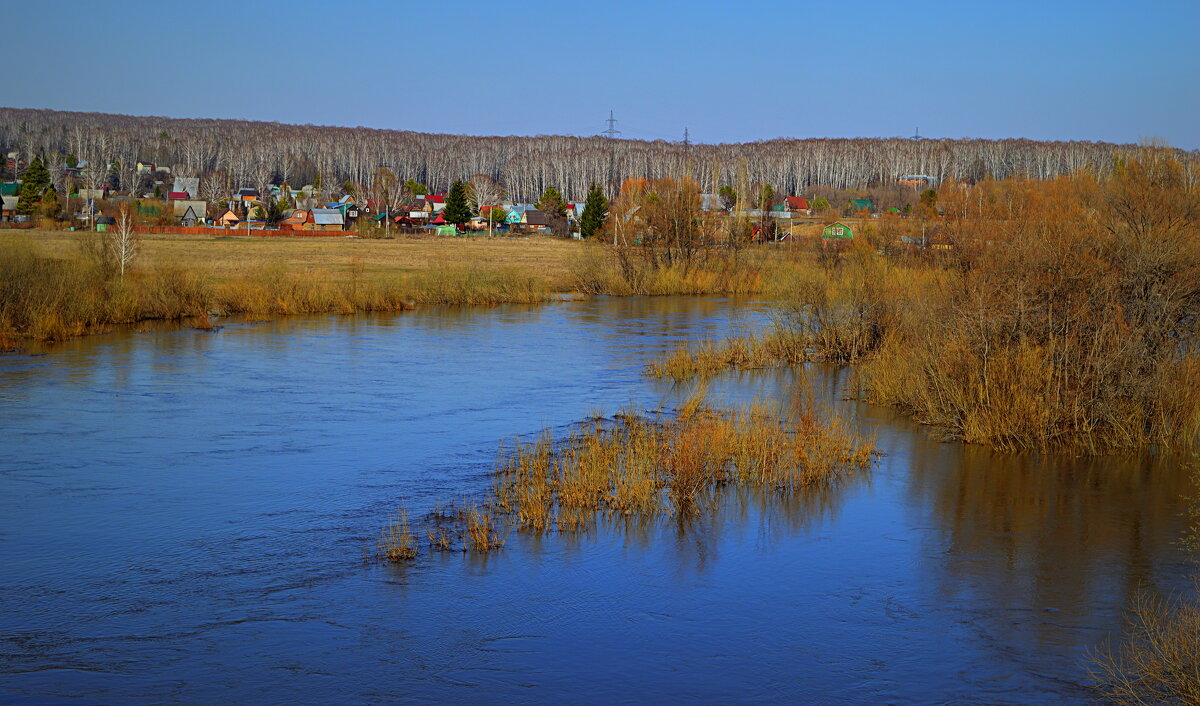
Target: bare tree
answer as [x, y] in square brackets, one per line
[486, 193]
[123, 241]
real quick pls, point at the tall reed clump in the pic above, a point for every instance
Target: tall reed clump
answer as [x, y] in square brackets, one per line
[397, 543]
[642, 465]
[1159, 661]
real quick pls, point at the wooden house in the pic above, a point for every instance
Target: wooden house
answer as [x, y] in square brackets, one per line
[229, 219]
[326, 219]
[837, 231]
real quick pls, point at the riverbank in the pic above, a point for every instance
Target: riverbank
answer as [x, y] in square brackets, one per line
[56, 285]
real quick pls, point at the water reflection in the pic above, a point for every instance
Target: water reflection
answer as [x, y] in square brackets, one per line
[183, 515]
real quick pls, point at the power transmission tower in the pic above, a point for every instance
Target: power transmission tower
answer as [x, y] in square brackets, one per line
[917, 136]
[611, 133]
[686, 141]
[612, 130]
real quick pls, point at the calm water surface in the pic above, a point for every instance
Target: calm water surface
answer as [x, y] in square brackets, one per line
[184, 515]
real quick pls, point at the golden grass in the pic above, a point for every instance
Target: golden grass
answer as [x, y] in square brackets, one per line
[50, 292]
[640, 466]
[333, 260]
[778, 346]
[397, 543]
[481, 531]
[1159, 662]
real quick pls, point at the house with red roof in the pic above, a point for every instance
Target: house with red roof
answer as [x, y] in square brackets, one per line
[798, 204]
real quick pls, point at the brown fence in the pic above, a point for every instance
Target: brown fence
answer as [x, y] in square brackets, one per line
[182, 230]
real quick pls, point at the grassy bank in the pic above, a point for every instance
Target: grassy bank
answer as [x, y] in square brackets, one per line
[52, 290]
[55, 288]
[643, 466]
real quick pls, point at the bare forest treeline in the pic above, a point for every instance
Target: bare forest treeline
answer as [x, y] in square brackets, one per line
[237, 153]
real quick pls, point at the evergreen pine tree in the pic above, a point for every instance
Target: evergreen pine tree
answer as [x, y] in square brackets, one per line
[50, 206]
[457, 210]
[595, 210]
[552, 202]
[34, 183]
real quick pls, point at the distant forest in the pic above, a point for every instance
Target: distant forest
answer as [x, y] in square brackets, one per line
[237, 153]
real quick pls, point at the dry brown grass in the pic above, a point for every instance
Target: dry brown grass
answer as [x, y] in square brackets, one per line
[334, 260]
[1159, 661]
[51, 290]
[640, 466]
[396, 542]
[637, 464]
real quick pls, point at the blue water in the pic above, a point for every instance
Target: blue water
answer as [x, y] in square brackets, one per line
[185, 516]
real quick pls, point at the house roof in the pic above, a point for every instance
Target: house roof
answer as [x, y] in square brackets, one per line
[328, 217]
[189, 184]
[10, 202]
[797, 203]
[179, 195]
[537, 218]
[247, 192]
[435, 198]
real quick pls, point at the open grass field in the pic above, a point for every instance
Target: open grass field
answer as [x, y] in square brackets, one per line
[226, 258]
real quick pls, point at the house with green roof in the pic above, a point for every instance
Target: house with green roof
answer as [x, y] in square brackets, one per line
[857, 205]
[837, 231]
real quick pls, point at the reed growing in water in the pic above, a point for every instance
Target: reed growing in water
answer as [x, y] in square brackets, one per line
[1159, 661]
[644, 466]
[397, 542]
[638, 464]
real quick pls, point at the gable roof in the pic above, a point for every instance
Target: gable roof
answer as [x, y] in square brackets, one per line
[537, 218]
[797, 203]
[328, 217]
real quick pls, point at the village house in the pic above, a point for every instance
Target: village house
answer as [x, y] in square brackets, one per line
[190, 212]
[535, 221]
[326, 219]
[836, 234]
[8, 209]
[185, 188]
[798, 205]
[860, 205]
[917, 181]
[294, 219]
[229, 219]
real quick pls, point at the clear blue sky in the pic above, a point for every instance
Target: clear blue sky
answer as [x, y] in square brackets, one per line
[728, 71]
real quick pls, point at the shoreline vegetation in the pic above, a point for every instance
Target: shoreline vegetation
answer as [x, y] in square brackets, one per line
[1059, 313]
[1063, 315]
[641, 466]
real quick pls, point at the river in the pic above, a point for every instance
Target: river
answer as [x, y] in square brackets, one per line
[185, 515]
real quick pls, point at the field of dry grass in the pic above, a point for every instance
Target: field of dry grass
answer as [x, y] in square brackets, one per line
[227, 258]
